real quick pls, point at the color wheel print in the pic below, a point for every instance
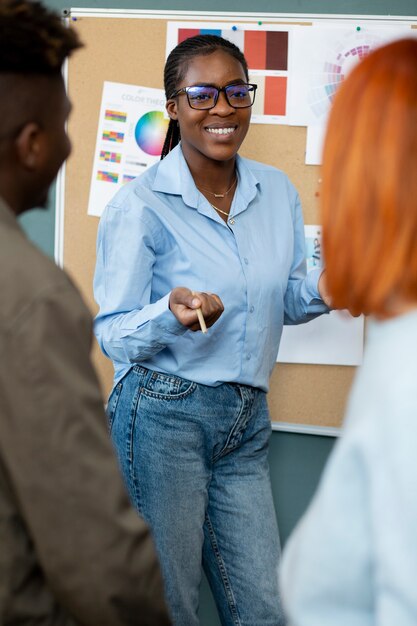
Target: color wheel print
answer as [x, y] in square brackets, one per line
[150, 132]
[335, 68]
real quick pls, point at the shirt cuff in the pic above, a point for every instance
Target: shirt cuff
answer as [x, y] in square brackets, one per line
[311, 285]
[313, 299]
[164, 318]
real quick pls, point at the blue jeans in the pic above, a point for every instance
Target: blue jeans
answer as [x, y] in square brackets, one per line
[194, 459]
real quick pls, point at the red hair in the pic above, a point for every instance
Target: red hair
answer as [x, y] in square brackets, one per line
[369, 188]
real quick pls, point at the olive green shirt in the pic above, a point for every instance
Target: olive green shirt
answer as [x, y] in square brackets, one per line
[72, 550]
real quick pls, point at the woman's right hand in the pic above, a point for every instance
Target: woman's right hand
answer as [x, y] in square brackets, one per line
[183, 304]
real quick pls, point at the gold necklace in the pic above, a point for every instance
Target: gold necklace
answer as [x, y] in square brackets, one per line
[220, 211]
[219, 195]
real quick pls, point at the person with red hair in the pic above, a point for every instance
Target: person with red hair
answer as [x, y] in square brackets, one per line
[353, 558]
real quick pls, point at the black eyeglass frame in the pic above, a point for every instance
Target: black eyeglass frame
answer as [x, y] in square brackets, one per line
[216, 98]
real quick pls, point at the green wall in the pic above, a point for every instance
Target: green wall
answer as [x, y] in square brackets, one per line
[40, 225]
[296, 461]
[346, 7]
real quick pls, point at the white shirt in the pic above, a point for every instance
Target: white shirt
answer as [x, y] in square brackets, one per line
[352, 561]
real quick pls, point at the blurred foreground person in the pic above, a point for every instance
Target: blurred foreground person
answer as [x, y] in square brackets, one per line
[72, 550]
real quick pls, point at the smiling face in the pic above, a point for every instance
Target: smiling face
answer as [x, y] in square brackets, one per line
[215, 134]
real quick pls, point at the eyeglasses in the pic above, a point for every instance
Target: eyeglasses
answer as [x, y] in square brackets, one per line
[204, 97]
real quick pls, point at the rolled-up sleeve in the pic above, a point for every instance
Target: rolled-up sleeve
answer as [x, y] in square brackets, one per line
[302, 301]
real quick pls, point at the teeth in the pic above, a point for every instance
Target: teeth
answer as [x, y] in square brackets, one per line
[221, 131]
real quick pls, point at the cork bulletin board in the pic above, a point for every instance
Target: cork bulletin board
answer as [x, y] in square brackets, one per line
[312, 395]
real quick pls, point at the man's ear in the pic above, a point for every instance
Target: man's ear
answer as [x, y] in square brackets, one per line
[29, 146]
[171, 107]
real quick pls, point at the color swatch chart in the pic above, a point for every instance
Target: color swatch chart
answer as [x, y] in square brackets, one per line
[130, 136]
[267, 53]
[335, 66]
[263, 50]
[321, 57]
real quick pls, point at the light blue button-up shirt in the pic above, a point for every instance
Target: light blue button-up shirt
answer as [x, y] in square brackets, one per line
[160, 232]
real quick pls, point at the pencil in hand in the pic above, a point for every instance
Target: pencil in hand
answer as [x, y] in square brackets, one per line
[200, 316]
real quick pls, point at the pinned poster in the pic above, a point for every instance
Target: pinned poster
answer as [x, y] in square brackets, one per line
[314, 144]
[322, 56]
[131, 133]
[333, 339]
[267, 49]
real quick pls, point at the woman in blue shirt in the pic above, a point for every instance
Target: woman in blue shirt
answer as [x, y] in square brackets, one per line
[203, 228]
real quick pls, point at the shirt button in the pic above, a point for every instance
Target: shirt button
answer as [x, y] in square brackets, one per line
[248, 356]
[232, 221]
[251, 310]
[246, 261]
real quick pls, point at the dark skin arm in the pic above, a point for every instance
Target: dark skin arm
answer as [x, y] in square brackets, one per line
[322, 287]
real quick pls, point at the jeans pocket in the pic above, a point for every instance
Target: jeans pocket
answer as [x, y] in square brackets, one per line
[112, 404]
[168, 386]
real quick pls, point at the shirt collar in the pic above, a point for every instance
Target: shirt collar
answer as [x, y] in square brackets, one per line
[7, 216]
[174, 177]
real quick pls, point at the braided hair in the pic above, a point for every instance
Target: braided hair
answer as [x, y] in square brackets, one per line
[176, 67]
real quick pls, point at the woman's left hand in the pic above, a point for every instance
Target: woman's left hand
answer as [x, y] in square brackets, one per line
[322, 288]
